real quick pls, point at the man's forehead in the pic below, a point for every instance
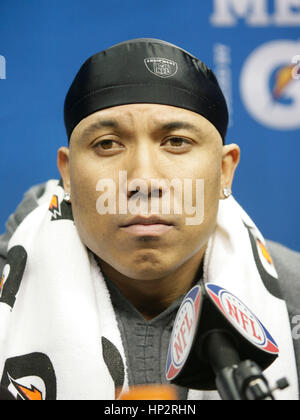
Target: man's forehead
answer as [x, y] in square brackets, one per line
[156, 116]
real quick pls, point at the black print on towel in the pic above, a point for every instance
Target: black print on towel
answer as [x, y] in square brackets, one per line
[264, 263]
[12, 274]
[30, 377]
[114, 362]
[60, 211]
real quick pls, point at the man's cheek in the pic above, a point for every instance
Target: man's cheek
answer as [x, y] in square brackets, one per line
[83, 195]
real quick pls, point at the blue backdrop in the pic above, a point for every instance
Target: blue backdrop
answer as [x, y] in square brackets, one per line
[252, 45]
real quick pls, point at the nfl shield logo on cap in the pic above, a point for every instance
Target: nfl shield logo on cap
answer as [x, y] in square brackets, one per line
[161, 67]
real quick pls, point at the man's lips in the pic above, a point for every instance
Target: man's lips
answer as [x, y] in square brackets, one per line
[147, 220]
[151, 225]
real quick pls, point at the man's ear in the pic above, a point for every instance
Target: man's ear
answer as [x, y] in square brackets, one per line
[63, 164]
[230, 160]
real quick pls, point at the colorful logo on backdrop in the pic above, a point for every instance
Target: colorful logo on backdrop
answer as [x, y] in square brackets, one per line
[183, 332]
[270, 84]
[242, 318]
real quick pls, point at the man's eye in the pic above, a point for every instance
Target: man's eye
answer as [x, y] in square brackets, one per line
[107, 145]
[177, 142]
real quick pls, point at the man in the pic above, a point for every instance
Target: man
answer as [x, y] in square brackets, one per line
[95, 273]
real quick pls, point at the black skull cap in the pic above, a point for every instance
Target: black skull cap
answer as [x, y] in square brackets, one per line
[145, 70]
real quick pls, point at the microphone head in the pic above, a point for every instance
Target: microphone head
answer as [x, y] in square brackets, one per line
[242, 319]
[211, 308]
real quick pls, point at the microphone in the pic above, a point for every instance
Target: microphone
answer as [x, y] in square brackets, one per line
[218, 342]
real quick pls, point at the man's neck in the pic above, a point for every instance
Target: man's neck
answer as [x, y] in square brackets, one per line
[151, 297]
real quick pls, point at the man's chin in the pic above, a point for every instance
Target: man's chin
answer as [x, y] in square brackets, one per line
[141, 268]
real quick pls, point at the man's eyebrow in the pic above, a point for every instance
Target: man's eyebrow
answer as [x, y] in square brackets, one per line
[97, 125]
[177, 125]
[169, 126]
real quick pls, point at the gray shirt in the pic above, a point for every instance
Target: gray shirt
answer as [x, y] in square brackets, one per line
[145, 342]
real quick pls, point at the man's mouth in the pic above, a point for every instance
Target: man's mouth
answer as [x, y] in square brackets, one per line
[147, 226]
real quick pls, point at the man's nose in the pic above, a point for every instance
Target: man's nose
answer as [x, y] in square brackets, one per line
[145, 167]
[151, 191]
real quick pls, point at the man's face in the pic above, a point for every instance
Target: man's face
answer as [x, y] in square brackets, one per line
[147, 142]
